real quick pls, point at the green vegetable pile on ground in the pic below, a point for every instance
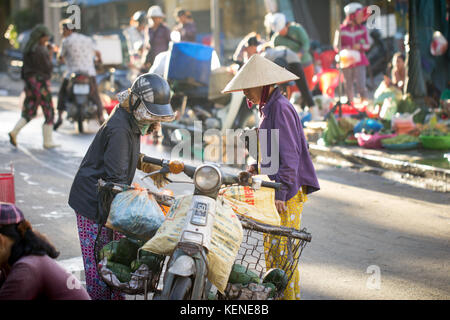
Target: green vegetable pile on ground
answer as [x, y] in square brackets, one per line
[400, 139]
[434, 133]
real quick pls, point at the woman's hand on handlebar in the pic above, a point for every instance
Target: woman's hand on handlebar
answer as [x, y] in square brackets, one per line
[159, 179]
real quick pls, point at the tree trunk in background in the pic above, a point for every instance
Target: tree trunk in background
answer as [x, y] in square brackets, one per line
[415, 84]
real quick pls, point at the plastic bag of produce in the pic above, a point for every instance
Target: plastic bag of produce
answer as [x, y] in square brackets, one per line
[136, 214]
[226, 238]
[122, 251]
[349, 57]
[372, 141]
[368, 125]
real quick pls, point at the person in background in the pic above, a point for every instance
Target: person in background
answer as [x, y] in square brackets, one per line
[36, 73]
[287, 58]
[295, 37]
[186, 25]
[28, 270]
[247, 47]
[295, 171]
[398, 72]
[353, 35]
[78, 52]
[114, 155]
[135, 37]
[158, 35]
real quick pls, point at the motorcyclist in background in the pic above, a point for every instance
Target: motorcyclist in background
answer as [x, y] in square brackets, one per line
[78, 52]
[135, 37]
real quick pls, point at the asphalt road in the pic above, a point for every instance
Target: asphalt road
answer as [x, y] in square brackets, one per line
[372, 238]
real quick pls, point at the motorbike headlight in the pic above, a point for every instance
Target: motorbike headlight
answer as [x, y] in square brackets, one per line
[207, 178]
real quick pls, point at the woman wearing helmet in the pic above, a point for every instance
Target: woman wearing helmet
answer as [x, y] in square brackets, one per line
[353, 35]
[114, 155]
[294, 168]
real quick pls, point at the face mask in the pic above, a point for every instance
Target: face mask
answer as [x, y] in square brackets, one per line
[143, 128]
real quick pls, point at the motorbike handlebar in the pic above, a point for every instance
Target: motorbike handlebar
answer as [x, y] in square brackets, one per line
[273, 185]
[155, 161]
[190, 170]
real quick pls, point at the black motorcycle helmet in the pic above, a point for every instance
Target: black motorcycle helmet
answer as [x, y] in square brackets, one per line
[154, 92]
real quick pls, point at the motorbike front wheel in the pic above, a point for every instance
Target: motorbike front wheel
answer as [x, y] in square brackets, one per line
[181, 288]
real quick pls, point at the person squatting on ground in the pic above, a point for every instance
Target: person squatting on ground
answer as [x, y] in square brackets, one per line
[114, 155]
[28, 270]
[78, 52]
[258, 79]
[353, 35]
[36, 73]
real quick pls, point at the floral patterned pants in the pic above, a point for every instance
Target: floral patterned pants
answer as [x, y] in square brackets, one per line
[37, 93]
[290, 218]
[87, 232]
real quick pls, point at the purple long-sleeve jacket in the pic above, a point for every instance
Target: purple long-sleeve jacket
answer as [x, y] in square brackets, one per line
[295, 168]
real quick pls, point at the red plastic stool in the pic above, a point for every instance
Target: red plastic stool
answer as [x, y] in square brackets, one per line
[7, 193]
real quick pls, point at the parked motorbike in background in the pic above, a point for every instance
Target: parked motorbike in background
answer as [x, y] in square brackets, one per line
[197, 92]
[110, 82]
[14, 62]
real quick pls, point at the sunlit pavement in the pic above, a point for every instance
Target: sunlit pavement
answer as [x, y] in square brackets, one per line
[372, 238]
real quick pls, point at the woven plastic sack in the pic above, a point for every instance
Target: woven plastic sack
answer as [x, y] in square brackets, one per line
[258, 205]
[226, 238]
[136, 214]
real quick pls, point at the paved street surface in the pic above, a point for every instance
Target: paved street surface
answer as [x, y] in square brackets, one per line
[372, 238]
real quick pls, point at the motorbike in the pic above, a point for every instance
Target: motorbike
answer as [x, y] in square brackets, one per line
[204, 102]
[186, 271]
[79, 106]
[14, 63]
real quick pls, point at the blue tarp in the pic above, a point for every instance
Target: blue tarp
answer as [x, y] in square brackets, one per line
[90, 3]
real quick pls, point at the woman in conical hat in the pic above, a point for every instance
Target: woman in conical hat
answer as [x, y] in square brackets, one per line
[281, 132]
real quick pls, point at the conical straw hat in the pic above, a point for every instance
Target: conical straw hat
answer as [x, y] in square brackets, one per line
[257, 72]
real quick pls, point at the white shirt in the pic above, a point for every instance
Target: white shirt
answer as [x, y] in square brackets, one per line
[78, 52]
